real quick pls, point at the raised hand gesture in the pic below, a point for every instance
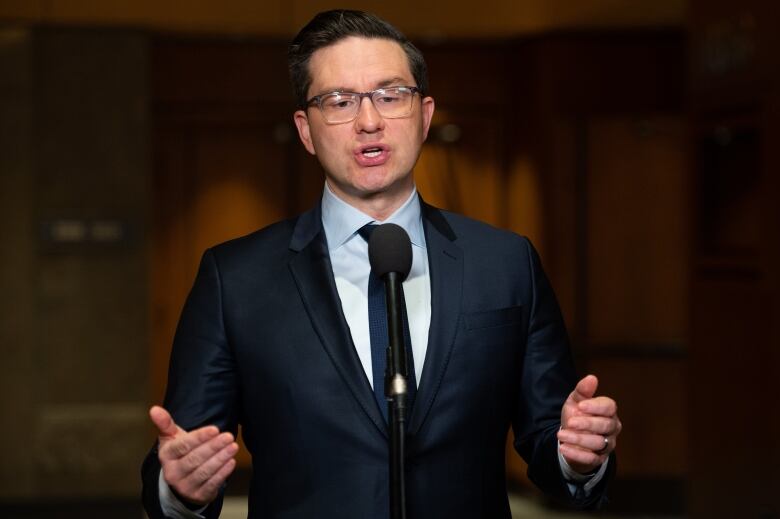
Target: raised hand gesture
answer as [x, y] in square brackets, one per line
[589, 427]
[196, 463]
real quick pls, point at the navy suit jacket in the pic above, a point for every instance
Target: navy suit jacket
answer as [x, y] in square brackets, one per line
[263, 342]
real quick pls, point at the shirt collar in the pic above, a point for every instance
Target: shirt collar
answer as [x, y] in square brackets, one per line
[341, 221]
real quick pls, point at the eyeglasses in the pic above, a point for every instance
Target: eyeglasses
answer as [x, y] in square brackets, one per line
[343, 107]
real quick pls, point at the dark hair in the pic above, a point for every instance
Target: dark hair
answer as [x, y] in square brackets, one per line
[329, 27]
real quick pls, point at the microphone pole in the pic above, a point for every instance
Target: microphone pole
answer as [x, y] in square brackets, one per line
[390, 254]
[396, 393]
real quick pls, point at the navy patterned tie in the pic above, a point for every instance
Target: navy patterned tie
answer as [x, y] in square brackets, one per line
[377, 327]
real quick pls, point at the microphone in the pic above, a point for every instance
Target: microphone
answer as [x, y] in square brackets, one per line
[390, 255]
[390, 250]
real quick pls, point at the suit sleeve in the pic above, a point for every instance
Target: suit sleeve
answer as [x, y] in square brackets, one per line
[202, 379]
[548, 376]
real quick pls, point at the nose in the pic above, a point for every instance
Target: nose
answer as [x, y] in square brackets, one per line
[368, 119]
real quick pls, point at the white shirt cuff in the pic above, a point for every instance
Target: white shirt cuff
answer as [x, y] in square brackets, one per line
[574, 478]
[172, 507]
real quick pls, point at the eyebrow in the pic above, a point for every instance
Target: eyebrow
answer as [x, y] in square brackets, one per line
[395, 81]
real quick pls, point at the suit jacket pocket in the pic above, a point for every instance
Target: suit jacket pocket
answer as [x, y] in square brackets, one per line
[493, 318]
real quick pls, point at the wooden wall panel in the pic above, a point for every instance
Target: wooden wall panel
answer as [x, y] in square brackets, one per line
[734, 76]
[465, 176]
[652, 397]
[604, 120]
[637, 231]
[433, 19]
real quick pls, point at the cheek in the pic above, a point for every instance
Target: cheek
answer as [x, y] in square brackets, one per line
[332, 154]
[329, 143]
[412, 139]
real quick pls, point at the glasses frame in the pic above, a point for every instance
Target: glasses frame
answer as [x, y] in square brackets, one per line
[318, 100]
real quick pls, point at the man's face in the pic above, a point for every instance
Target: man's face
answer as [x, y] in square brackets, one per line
[372, 156]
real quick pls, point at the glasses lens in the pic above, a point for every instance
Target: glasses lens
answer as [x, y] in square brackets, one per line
[393, 102]
[339, 107]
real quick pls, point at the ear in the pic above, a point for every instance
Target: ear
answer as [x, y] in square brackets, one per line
[427, 108]
[304, 130]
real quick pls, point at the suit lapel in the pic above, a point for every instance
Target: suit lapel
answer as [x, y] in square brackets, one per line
[313, 276]
[445, 261]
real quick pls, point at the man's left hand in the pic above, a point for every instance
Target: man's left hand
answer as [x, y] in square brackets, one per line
[589, 427]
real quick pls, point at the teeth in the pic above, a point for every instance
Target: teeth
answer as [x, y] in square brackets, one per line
[373, 152]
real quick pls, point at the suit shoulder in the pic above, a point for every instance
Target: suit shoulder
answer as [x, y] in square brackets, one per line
[259, 246]
[471, 232]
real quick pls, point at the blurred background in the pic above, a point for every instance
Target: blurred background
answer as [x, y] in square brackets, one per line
[632, 141]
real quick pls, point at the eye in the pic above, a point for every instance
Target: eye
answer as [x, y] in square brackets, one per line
[389, 96]
[338, 102]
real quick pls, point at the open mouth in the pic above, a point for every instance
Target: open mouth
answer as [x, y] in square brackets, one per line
[370, 155]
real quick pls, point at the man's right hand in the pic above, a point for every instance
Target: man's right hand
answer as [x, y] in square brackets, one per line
[196, 463]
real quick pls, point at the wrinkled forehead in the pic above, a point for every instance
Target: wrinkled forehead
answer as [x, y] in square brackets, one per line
[358, 64]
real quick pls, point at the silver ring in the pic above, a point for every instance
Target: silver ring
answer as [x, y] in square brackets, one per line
[605, 447]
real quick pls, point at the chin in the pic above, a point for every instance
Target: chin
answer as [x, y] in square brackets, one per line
[374, 184]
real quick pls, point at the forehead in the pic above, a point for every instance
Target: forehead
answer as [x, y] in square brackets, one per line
[359, 64]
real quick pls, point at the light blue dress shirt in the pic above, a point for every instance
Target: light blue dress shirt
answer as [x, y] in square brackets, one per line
[351, 268]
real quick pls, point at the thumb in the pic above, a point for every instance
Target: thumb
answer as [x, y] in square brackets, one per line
[586, 388]
[164, 422]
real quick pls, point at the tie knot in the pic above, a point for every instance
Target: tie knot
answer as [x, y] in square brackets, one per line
[366, 230]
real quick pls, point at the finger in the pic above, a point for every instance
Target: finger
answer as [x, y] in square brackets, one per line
[189, 485]
[601, 406]
[187, 442]
[163, 420]
[209, 490]
[585, 389]
[581, 458]
[593, 425]
[204, 452]
[592, 442]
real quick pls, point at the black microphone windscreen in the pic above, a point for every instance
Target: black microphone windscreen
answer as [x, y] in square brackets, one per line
[389, 250]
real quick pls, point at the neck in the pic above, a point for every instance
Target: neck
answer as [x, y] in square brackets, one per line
[378, 206]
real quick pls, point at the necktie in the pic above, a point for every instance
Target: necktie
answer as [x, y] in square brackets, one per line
[377, 327]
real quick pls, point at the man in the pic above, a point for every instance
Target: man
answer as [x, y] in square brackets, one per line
[275, 334]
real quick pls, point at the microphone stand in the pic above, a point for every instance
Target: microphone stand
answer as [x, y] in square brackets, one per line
[396, 394]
